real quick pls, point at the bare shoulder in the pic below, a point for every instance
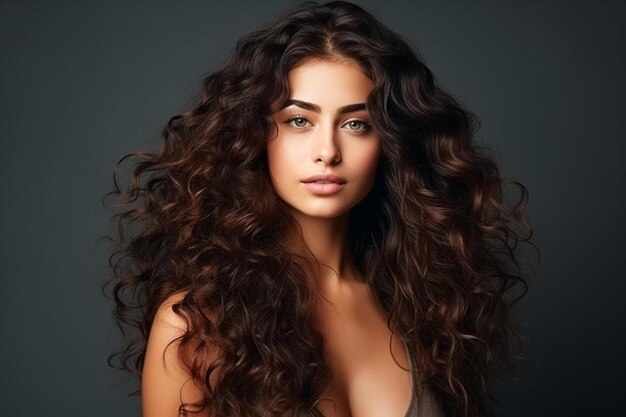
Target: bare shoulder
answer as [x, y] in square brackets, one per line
[165, 380]
[167, 320]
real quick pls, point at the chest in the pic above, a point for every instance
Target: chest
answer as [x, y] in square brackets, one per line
[371, 367]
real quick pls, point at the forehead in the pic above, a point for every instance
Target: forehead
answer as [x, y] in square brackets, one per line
[329, 83]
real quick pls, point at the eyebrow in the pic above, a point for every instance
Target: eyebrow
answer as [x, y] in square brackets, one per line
[317, 109]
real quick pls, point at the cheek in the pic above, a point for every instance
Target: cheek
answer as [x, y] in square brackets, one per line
[368, 162]
[280, 162]
[274, 155]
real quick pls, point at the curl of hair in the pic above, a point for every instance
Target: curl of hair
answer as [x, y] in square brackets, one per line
[435, 238]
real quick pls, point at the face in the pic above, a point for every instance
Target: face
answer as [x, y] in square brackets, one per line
[324, 159]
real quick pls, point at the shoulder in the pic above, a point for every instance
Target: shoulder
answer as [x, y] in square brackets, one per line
[166, 381]
[166, 320]
[167, 325]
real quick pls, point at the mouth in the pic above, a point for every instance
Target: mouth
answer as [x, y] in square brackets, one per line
[324, 184]
[325, 179]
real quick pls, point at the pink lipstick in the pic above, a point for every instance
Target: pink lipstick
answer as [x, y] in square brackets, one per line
[324, 184]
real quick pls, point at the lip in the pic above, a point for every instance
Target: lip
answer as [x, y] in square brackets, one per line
[324, 184]
[326, 177]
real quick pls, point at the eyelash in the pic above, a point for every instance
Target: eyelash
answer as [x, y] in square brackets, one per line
[366, 125]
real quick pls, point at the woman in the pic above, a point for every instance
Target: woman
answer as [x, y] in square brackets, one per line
[318, 235]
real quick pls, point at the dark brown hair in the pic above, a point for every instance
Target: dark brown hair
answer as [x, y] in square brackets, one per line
[435, 238]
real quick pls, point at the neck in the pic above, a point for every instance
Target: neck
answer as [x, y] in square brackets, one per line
[325, 241]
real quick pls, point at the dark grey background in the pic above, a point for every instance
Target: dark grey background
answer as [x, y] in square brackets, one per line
[83, 83]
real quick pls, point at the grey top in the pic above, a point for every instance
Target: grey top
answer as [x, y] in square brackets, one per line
[427, 407]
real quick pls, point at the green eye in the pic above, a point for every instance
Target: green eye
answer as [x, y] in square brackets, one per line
[298, 122]
[358, 125]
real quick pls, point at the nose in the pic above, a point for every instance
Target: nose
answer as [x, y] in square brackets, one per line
[325, 147]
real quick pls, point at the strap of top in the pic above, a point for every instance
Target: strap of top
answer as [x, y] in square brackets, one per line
[411, 410]
[425, 405]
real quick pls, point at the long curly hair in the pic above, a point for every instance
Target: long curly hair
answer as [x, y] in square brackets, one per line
[435, 239]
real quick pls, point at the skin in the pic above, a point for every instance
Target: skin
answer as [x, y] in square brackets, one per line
[325, 141]
[331, 141]
[370, 366]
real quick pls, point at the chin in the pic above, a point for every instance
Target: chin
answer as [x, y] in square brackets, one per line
[322, 213]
